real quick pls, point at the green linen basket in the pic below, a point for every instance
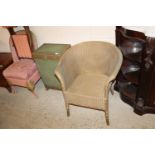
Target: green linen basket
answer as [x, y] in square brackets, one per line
[46, 58]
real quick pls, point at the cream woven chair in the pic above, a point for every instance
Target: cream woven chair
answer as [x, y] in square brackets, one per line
[86, 72]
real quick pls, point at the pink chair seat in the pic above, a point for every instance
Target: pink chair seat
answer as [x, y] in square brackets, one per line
[22, 69]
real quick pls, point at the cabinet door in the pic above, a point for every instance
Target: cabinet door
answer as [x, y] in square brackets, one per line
[146, 93]
[152, 93]
[150, 61]
[131, 71]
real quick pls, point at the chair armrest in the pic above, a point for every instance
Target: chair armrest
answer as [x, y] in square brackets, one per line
[66, 73]
[107, 87]
[116, 66]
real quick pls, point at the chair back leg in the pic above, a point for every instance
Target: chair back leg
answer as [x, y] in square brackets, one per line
[67, 109]
[68, 112]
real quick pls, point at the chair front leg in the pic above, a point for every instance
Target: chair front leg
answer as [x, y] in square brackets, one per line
[31, 87]
[11, 87]
[67, 109]
[107, 112]
[106, 102]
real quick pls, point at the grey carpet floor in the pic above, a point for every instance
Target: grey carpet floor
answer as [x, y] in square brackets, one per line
[23, 111]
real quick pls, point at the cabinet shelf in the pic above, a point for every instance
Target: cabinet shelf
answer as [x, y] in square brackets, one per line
[132, 50]
[131, 71]
[128, 89]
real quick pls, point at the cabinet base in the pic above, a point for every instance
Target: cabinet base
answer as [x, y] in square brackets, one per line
[144, 110]
[138, 110]
[49, 87]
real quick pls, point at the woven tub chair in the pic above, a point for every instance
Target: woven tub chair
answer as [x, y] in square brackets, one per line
[86, 72]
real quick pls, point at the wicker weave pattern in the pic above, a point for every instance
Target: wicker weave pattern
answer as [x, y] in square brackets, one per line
[86, 71]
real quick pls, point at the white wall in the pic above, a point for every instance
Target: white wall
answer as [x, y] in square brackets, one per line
[4, 40]
[64, 34]
[72, 34]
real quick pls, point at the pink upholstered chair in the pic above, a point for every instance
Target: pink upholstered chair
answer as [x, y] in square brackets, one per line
[23, 72]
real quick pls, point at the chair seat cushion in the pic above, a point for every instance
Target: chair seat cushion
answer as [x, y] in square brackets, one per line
[87, 90]
[22, 69]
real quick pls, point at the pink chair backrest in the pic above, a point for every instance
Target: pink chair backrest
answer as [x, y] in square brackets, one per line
[22, 46]
[13, 51]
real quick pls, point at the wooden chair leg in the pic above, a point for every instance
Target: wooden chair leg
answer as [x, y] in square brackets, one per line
[68, 112]
[107, 118]
[67, 109]
[13, 90]
[34, 93]
[107, 112]
[31, 87]
[9, 89]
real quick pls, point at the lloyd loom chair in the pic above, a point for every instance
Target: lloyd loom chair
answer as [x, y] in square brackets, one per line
[23, 72]
[86, 72]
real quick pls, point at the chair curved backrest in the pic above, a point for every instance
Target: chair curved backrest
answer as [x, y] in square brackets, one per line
[93, 56]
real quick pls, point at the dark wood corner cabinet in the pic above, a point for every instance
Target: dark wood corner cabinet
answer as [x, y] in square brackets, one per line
[136, 79]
